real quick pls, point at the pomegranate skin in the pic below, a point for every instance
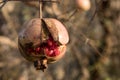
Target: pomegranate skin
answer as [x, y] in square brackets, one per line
[63, 37]
[33, 40]
[31, 32]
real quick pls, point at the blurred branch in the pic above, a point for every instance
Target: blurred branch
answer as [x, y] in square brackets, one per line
[11, 21]
[91, 43]
[3, 3]
[36, 0]
[7, 41]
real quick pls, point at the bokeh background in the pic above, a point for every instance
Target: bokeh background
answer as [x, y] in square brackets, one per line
[93, 52]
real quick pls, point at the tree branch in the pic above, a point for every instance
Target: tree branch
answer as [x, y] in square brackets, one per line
[6, 41]
[36, 0]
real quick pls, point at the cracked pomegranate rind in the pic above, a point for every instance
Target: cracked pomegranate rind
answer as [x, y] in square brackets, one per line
[43, 39]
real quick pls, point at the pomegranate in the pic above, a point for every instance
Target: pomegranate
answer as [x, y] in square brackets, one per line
[83, 4]
[43, 41]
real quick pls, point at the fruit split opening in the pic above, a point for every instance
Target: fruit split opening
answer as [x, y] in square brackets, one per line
[48, 48]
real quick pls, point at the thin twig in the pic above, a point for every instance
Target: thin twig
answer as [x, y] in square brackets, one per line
[96, 10]
[72, 14]
[89, 42]
[40, 9]
[36, 0]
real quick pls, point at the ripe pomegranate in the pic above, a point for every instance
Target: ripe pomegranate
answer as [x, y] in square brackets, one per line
[43, 41]
[83, 4]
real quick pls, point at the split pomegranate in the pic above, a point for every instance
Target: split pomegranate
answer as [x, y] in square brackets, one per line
[43, 41]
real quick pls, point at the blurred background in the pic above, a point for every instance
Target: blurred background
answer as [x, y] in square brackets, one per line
[92, 52]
